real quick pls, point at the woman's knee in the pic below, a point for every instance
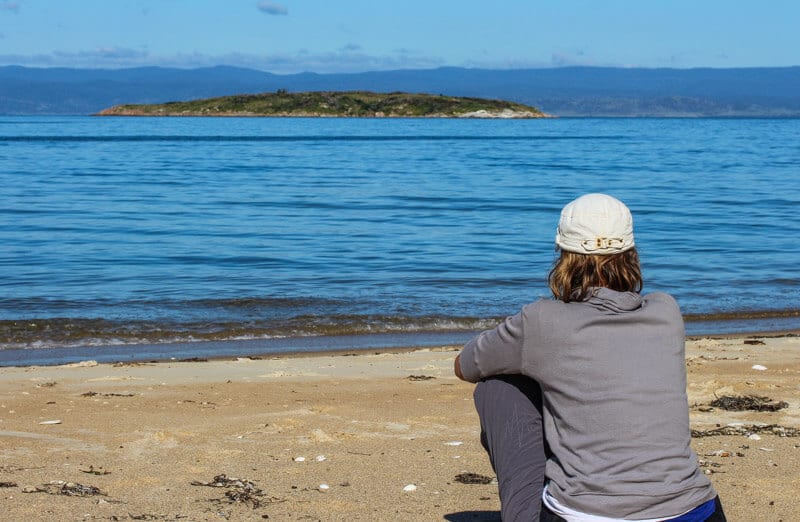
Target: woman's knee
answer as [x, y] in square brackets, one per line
[507, 390]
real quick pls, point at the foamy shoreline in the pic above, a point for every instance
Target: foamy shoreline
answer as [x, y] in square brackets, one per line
[273, 347]
[366, 424]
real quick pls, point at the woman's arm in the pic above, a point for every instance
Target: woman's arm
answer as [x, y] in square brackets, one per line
[457, 368]
[494, 352]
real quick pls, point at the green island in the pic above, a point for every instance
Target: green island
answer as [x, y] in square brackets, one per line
[351, 104]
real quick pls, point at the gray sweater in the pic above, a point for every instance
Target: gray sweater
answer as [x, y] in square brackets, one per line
[616, 416]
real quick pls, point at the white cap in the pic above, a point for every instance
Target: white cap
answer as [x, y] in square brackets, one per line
[595, 224]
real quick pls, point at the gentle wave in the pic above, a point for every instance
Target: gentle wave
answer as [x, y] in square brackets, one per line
[64, 332]
[170, 230]
[69, 332]
[742, 315]
[256, 139]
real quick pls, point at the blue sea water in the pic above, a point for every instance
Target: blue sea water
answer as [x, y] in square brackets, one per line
[118, 234]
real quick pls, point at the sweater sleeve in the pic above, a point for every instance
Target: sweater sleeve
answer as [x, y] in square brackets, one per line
[494, 352]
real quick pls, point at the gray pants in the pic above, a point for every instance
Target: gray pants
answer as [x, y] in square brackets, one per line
[510, 410]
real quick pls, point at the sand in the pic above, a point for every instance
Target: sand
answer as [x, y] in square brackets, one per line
[351, 436]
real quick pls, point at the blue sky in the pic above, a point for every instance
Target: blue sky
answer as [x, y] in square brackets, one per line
[288, 36]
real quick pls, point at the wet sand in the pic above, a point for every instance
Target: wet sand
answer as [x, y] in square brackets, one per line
[387, 433]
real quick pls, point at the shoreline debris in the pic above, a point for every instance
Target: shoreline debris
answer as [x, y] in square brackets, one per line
[70, 489]
[747, 430]
[420, 377]
[92, 471]
[238, 490]
[747, 402]
[94, 394]
[473, 478]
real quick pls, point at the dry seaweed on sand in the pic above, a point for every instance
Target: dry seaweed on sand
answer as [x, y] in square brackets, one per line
[420, 377]
[747, 402]
[238, 490]
[98, 471]
[747, 430]
[95, 394]
[8, 484]
[70, 489]
[147, 516]
[473, 478]
[13, 469]
[74, 489]
[222, 481]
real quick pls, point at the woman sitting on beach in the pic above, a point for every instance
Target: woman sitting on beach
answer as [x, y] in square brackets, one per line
[582, 399]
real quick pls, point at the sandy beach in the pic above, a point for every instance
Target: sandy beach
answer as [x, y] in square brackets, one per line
[348, 436]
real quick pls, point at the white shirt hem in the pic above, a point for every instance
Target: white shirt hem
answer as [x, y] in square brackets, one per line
[572, 515]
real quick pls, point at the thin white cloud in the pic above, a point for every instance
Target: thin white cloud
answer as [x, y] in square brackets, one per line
[672, 60]
[9, 6]
[559, 59]
[505, 64]
[351, 58]
[348, 59]
[265, 6]
[102, 57]
[116, 53]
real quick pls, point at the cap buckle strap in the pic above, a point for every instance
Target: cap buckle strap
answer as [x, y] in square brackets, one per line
[602, 243]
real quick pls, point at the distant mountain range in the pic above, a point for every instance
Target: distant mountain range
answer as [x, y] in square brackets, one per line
[567, 91]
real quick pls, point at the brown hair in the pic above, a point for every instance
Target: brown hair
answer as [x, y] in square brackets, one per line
[574, 275]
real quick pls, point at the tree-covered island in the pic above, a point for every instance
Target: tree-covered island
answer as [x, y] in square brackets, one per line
[352, 104]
